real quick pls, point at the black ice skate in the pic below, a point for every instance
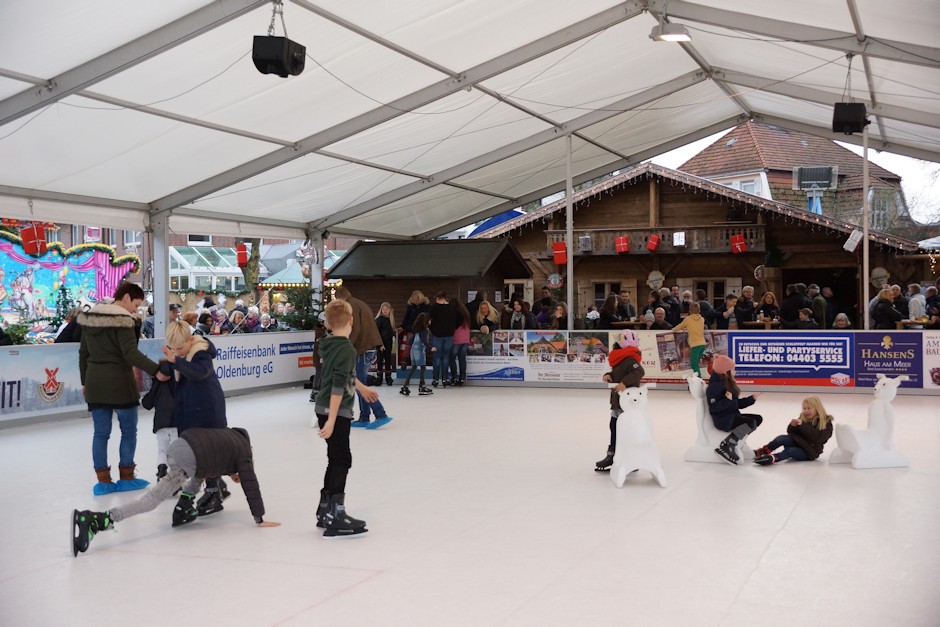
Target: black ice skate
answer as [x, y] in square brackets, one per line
[339, 524]
[605, 464]
[161, 471]
[726, 450]
[184, 512]
[424, 391]
[85, 525]
[765, 460]
[405, 391]
[210, 503]
[322, 508]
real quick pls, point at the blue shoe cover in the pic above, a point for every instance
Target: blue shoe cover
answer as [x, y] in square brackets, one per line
[104, 488]
[360, 423]
[127, 485]
[379, 422]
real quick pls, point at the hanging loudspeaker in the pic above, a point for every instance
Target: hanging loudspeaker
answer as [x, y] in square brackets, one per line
[849, 117]
[278, 55]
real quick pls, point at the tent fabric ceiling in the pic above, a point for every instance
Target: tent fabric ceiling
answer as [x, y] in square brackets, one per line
[414, 118]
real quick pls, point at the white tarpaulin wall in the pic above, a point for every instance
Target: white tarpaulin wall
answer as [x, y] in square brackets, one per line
[413, 118]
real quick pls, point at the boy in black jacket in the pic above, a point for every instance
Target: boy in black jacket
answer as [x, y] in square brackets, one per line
[162, 399]
[196, 455]
[627, 372]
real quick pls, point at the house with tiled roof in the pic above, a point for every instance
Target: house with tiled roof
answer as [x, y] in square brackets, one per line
[804, 171]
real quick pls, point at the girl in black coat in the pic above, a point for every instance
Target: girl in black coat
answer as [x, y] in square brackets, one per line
[725, 405]
[806, 436]
[385, 321]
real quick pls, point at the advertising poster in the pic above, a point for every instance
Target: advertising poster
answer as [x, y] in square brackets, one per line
[931, 380]
[560, 356]
[818, 359]
[41, 379]
[497, 356]
[891, 354]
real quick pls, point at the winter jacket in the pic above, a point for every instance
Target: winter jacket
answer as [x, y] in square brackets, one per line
[200, 401]
[673, 310]
[365, 334]
[885, 315]
[71, 333]
[462, 335]
[107, 353]
[806, 325]
[660, 325]
[443, 319]
[222, 452]
[790, 308]
[810, 438]
[339, 375]
[411, 314]
[725, 323]
[708, 312]
[744, 310]
[694, 324]
[162, 399]
[607, 319]
[386, 332]
[626, 368]
[724, 410]
[770, 311]
[819, 310]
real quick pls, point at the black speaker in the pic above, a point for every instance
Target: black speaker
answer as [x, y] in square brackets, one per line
[278, 55]
[849, 117]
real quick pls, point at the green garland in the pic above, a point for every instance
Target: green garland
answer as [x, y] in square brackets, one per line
[226, 293]
[57, 247]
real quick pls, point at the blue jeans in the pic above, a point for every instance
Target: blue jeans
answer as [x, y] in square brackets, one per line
[458, 361]
[127, 420]
[791, 450]
[362, 371]
[444, 345]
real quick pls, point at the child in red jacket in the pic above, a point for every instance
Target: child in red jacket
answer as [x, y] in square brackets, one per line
[626, 371]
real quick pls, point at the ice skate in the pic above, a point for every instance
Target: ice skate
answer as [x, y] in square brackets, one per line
[85, 525]
[210, 503]
[759, 452]
[388, 380]
[322, 508]
[425, 391]
[765, 460]
[726, 450]
[184, 512]
[339, 524]
[605, 464]
[161, 471]
[404, 391]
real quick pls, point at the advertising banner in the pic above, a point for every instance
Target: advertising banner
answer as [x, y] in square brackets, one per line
[931, 380]
[36, 380]
[816, 359]
[889, 353]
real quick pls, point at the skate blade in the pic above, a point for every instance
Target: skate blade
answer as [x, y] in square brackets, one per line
[602, 469]
[727, 459]
[74, 532]
[356, 533]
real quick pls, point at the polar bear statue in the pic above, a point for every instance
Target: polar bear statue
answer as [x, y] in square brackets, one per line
[873, 448]
[636, 449]
[709, 437]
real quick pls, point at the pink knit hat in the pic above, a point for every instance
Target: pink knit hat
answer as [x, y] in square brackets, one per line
[722, 364]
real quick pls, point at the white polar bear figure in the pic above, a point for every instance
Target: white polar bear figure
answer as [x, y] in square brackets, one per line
[873, 448]
[709, 437]
[636, 449]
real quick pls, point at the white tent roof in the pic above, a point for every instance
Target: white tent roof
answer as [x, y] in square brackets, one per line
[413, 118]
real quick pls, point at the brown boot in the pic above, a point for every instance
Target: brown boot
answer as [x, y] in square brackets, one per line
[104, 485]
[128, 482]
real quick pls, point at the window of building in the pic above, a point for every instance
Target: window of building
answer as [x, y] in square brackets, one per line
[92, 234]
[199, 240]
[602, 290]
[715, 290]
[78, 234]
[132, 238]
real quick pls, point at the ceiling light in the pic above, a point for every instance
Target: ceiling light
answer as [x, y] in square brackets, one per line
[670, 32]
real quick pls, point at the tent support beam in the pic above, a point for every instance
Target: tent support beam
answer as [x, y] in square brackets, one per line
[78, 78]
[441, 89]
[533, 141]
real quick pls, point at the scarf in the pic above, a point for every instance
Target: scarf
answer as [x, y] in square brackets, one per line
[619, 354]
[517, 316]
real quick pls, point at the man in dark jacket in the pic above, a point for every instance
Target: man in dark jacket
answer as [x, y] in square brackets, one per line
[790, 307]
[196, 455]
[708, 311]
[443, 317]
[106, 358]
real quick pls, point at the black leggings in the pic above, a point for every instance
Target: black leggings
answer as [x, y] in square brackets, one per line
[751, 420]
[411, 374]
[384, 360]
[338, 455]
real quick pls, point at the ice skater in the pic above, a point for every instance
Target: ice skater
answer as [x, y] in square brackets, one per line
[725, 405]
[627, 372]
[419, 343]
[196, 455]
[334, 410]
[805, 437]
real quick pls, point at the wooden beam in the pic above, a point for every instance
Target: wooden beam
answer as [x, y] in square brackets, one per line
[654, 202]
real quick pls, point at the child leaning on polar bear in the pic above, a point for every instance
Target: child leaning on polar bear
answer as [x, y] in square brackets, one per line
[626, 371]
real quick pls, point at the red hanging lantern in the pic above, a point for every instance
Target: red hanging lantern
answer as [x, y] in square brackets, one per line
[738, 245]
[241, 251]
[34, 239]
[653, 243]
[622, 244]
[560, 252]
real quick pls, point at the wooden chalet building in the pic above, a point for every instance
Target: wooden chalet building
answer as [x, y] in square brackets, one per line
[694, 220]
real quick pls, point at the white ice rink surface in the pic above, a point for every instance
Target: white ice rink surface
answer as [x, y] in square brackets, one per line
[484, 509]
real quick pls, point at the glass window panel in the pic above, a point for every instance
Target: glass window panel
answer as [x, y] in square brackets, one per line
[203, 282]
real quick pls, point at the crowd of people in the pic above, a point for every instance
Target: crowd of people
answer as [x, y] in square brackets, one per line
[803, 307]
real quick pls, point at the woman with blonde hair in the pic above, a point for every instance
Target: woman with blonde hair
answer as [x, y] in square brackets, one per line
[883, 313]
[806, 436]
[385, 321]
[486, 320]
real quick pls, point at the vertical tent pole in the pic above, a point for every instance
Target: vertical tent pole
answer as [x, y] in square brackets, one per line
[569, 232]
[160, 229]
[866, 219]
[316, 269]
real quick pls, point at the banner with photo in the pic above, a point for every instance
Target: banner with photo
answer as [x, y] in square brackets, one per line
[931, 380]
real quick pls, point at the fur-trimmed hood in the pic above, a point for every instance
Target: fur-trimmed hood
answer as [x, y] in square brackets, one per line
[107, 316]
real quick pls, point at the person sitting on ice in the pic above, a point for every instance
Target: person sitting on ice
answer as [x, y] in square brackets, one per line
[627, 372]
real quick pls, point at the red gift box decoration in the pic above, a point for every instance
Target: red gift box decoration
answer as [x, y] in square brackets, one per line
[560, 251]
[738, 245]
[653, 242]
[34, 240]
[622, 244]
[241, 251]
